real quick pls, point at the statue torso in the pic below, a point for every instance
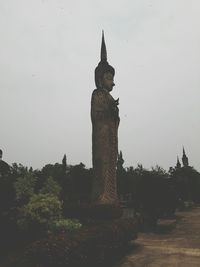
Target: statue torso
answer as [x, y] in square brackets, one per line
[103, 106]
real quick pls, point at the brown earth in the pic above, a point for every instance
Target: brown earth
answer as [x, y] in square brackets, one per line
[177, 246]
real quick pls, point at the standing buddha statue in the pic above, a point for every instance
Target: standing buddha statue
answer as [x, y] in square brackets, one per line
[105, 122]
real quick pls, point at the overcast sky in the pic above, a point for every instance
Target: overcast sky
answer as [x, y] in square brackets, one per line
[48, 52]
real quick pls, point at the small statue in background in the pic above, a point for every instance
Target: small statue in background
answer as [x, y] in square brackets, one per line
[4, 167]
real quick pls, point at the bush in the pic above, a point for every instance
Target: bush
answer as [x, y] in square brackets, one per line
[41, 210]
[64, 225]
[89, 246]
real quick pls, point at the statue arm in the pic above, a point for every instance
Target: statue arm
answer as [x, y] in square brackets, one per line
[104, 107]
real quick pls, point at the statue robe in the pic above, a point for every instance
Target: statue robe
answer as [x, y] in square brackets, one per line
[105, 122]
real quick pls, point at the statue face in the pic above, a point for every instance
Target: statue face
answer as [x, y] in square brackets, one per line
[108, 81]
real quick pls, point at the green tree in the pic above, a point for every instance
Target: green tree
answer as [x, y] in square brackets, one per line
[81, 183]
[187, 181]
[51, 187]
[18, 170]
[64, 163]
[25, 187]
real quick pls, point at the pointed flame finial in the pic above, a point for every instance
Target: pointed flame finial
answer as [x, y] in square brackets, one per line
[103, 65]
[103, 49]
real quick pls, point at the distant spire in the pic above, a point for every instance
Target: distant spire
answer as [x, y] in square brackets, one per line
[178, 164]
[64, 162]
[185, 159]
[120, 161]
[103, 49]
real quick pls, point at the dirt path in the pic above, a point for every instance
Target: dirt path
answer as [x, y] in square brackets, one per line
[177, 248]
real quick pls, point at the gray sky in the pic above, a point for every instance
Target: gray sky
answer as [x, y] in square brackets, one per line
[48, 52]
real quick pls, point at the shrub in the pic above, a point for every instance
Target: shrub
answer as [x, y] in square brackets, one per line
[41, 210]
[89, 246]
[64, 225]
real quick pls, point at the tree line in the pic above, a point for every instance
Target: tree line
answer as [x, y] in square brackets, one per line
[30, 196]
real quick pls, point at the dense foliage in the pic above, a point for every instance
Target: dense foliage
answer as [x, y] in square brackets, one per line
[25, 187]
[34, 203]
[40, 211]
[86, 247]
[156, 193]
[64, 225]
[51, 187]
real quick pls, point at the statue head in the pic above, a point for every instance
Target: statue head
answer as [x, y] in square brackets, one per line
[108, 81]
[104, 73]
